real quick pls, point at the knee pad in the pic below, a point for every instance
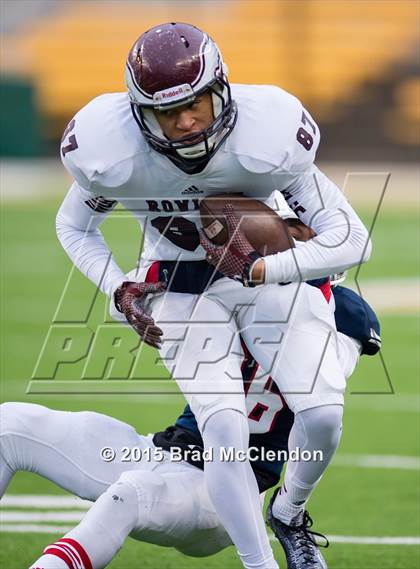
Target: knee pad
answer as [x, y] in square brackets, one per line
[123, 490]
[226, 427]
[114, 515]
[145, 484]
[323, 424]
[143, 489]
[123, 497]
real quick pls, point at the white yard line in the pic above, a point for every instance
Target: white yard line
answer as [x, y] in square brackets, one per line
[392, 402]
[397, 462]
[34, 528]
[60, 502]
[369, 540]
[351, 539]
[362, 540]
[43, 501]
[54, 516]
[23, 521]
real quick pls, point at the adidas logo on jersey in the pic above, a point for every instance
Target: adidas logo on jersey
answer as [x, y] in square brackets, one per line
[192, 190]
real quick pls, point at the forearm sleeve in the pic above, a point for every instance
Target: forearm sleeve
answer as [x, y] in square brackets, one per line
[342, 240]
[77, 226]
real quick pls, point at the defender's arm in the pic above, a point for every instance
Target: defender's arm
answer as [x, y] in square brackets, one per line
[342, 241]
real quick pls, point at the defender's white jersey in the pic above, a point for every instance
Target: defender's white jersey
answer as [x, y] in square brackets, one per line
[272, 147]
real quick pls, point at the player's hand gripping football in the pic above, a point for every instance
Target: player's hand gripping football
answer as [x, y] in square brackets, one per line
[131, 299]
[235, 259]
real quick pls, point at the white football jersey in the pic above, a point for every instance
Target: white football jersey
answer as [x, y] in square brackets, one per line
[271, 147]
[114, 161]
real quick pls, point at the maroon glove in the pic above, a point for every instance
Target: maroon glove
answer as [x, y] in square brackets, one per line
[130, 299]
[235, 258]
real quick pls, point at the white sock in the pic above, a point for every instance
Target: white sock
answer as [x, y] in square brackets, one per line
[234, 491]
[314, 429]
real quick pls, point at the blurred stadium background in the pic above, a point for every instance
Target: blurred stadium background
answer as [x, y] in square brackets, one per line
[355, 65]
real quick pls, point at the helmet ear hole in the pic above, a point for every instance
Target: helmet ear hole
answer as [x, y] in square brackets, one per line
[218, 99]
[151, 121]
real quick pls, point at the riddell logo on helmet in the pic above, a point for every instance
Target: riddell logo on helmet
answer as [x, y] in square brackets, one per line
[173, 94]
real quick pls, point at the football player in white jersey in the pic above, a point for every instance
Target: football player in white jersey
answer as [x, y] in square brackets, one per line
[183, 131]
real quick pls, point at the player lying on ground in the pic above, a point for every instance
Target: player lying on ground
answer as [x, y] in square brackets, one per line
[158, 501]
[183, 133]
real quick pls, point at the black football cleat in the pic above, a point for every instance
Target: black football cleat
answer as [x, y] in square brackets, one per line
[297, 540]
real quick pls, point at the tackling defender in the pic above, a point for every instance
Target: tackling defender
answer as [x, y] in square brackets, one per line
[184, 133]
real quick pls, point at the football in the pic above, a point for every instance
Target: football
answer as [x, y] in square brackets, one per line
[264, 229]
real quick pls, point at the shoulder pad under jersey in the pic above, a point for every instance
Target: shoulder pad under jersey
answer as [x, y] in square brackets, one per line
[99, 142]
[273, 130]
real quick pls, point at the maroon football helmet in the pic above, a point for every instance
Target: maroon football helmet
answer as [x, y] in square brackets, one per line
[170, 65]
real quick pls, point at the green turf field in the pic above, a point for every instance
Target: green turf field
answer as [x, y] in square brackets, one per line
[352, 500]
